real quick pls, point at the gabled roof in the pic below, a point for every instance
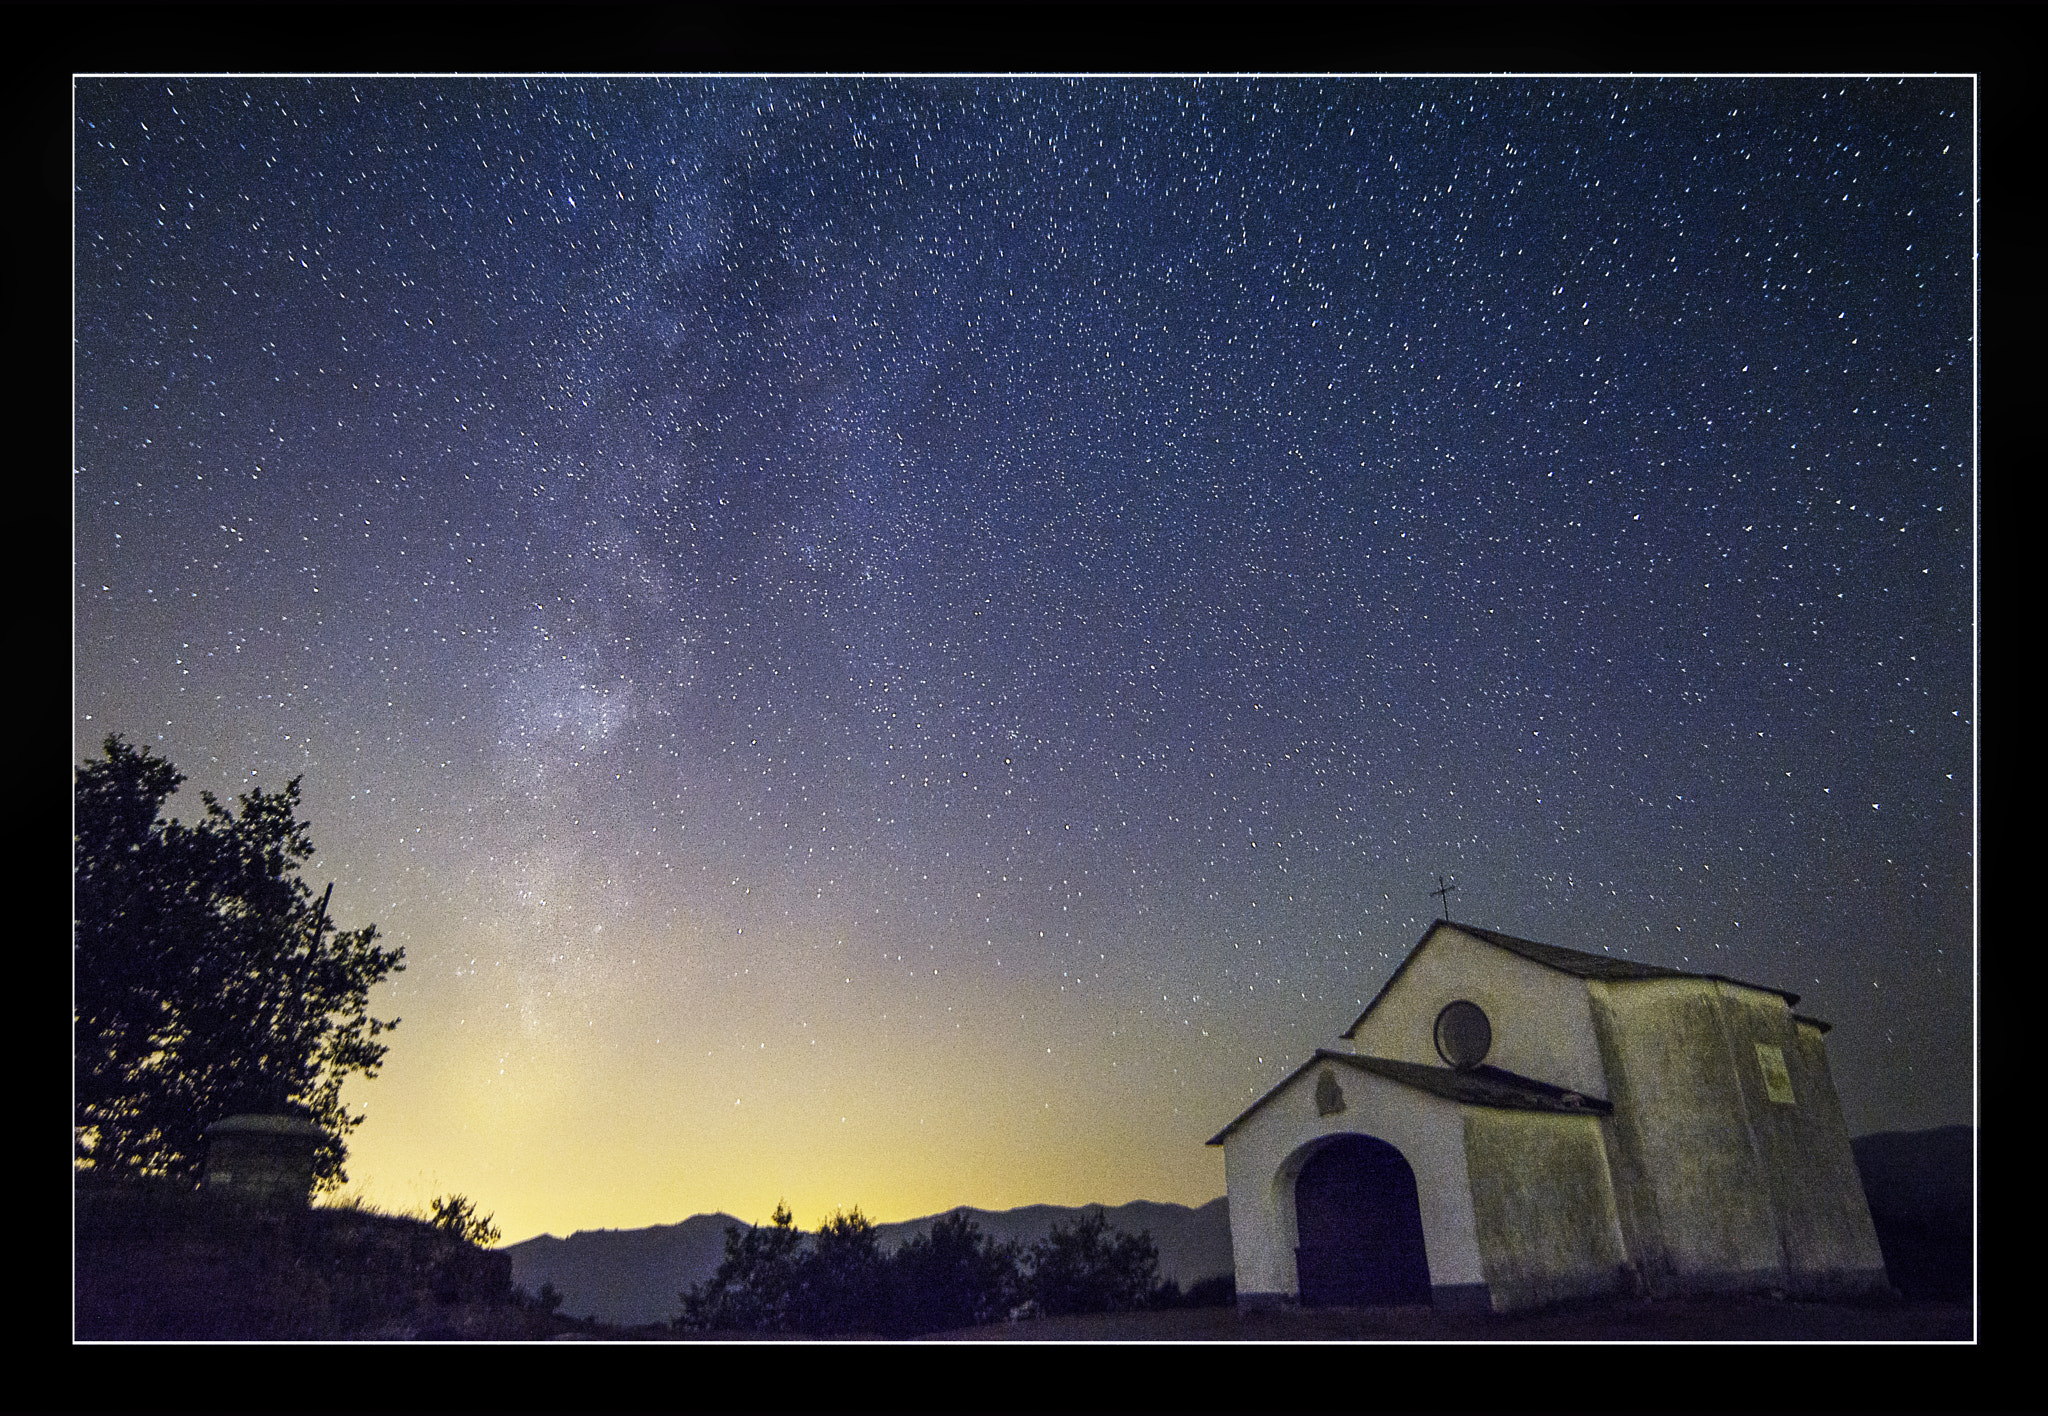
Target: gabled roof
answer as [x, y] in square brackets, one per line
[1570, 961]
[1482, 1086]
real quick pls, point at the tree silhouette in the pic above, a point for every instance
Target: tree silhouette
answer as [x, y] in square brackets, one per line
[842, 1280]
[1090, 1267]
[206, 979]
[953, 1276]
[776, 1278]
[755, 1287]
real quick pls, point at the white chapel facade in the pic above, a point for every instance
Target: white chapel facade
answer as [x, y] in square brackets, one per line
[1517, 1123]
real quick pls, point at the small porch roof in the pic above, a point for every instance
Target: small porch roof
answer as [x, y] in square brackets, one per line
[1480, 1086]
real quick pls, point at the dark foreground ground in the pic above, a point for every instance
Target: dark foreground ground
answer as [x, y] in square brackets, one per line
[1672, 1320]
[1729, 1319]
[165, 1264]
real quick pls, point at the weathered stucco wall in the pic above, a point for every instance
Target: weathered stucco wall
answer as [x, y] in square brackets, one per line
[1845, 1248]
[1542, 1024]
[1823, 1218]
[1706, 1216]
[1731, 1162]
[1263, 1157]
[1543, 1207]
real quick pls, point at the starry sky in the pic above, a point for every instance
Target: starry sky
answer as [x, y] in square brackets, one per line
[916, 642]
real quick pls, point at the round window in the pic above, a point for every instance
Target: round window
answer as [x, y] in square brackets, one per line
[1463, 1035]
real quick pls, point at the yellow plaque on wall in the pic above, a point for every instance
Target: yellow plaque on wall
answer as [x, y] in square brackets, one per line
[1777, 1081]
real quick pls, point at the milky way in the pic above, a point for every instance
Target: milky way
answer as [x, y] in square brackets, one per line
[910, 643]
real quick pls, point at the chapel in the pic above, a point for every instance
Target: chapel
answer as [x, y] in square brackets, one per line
[1515, 1123]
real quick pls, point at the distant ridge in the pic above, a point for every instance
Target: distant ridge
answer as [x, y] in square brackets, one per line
[1922, 1191]
[622, 1276]
[630, 1277]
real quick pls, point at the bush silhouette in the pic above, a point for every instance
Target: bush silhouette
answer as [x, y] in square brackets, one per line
[1090, 1267]
[454, 1214]
[953, 1276]
[842, 1282]
[754, 1288]
[776, 1278]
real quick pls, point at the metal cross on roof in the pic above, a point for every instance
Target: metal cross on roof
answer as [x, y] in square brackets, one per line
[1443, 893]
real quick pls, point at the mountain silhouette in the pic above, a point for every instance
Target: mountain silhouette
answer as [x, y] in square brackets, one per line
[629, 1277]
[1922, 1191]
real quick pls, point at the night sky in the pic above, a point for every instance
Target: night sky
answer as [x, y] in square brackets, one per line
[908, 643]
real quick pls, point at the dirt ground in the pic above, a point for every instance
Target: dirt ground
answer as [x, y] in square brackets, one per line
[1671, 1320]
[1726, 1319]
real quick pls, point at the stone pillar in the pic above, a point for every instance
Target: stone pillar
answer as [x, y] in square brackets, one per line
[268, 1159]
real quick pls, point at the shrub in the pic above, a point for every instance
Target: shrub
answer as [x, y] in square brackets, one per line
[754, 1289]
[1088, 1267]
[953, 1276]
[776, 1278]
[454, 1214]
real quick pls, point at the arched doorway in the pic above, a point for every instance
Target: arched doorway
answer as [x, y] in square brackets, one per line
[1359, 1225]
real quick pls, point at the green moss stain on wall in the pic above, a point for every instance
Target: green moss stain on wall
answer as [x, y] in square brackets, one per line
[1635, 1197]
[1825, 1238]
[1543, 1206]
[1842, 1247]
[1682, 1122]
[1719, 1183]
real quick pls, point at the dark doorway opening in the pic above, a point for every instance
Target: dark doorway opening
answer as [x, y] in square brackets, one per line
[1359, 1223]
